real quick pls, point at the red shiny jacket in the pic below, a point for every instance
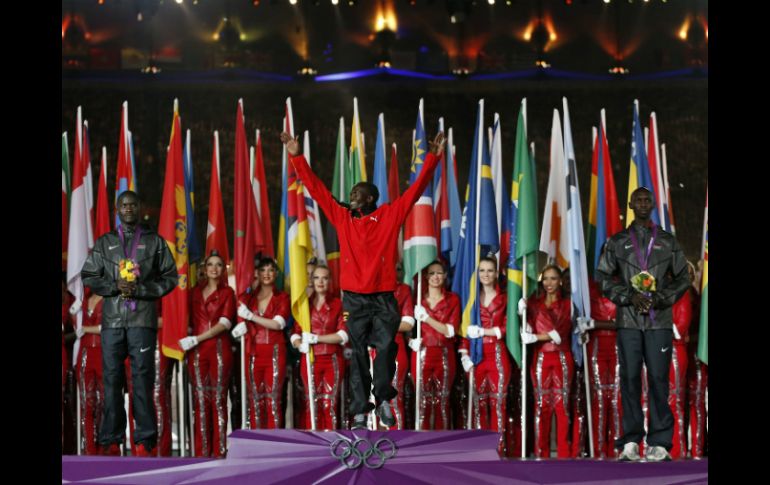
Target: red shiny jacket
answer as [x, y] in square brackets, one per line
[447, 311]
[323, 321]
[544, 319]
[206, 312]
[601, 309]
[277, 306]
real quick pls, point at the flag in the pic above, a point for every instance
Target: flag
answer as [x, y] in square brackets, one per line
[442, 226]
[245, 211]
[193, 243]
[340, 192]
[703, 331]
[489, 237]
[102, 222]
[300, 245]
[393, 193]
[216, 231]
[453, 199]
[639, 171]
[282, 251]
[357, 157]
[173, 228]
[124, 175]
[380, 177]
[419, 237]
[259, 186]
[313, 214]
[66, 190]
[466, 280]
[581, 300]
[501, 194]
[553, 234]
[668, 207]
[523, 228]
[90, 200]
[81, 237]
[603, 211]
[653, 159]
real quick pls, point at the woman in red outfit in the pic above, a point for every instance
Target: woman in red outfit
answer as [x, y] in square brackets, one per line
[210, 357]
[439, 315]
[492, 375]
[681, 314]
[552, 367]
[89, 374]
[326, 338]
[264, 310]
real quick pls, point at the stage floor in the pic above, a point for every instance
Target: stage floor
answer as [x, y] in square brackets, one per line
[299, 457]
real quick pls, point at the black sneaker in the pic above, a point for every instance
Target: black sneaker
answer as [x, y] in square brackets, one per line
[359, 422]
[385, 415]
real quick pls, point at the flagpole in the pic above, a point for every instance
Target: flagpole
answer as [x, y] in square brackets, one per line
[418, 363]
[523, 363]
[191, 411]
[588, 399]
[469, 424]
[372, 416]
[77, 404]
[243, 384]
[310, 390]
[180, 409]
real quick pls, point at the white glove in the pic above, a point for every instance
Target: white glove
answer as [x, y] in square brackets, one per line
[522, 306]
[475, 331]
[347, 353]
[309, 338]
[420, 313]
[528, 338]
[585, 324]
[245, 313]
[414, 344]
[75, 307]
[188, 342]
[79, 332]
[239, 330]
[304, 347]
[466, 362]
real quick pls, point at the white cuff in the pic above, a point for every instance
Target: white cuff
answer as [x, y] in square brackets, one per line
[450, 330]
[463, 351]
[407, 319]
[555, 336]
[344, 336]
[226, 322]
[281, 321]
[498, 332]
[676, 332]
[294, 337]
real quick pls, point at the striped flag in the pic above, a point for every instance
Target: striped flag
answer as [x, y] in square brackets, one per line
[603, 209]
[380, 176]
[313, 214]
[453, 199]
[81, 236]
[703, 331]
[282, 251]
[393, 193]
[581, 300]
[442, 222]
[669, 215]
[419, 237]
[357, 156]
[553, 236]
[639, 171]
[124, 175]
[523, 227]
[466, 280]
[102, 219]
[173, 228]
[500, 192]
[340, 191]
[216, 230]
[193, 243]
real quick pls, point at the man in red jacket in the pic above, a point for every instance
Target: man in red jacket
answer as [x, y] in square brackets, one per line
[367, 236]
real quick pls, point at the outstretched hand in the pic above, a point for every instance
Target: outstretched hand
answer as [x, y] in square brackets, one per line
[292, 143]
[437, 144]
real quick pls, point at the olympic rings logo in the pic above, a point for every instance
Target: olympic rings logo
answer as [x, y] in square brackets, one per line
[353, 454]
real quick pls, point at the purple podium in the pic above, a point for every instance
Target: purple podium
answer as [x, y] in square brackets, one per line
[299, 457]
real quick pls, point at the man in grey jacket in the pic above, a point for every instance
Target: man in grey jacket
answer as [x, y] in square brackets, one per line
[129, 320]
[643, 271]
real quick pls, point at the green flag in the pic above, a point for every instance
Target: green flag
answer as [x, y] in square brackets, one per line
[523, 226]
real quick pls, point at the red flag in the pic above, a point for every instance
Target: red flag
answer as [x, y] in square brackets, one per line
[216, 232]
[259, 186]
[102, 225]
[65, 197]
[124, 175]
[246, 218]
[173, 228]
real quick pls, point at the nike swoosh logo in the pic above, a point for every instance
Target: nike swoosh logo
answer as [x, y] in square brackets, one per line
[144, 349]
[113, 247]
[628, 247]
[664, 349]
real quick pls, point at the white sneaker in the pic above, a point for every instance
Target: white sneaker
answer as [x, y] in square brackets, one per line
[657, 453]
[630, 452]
